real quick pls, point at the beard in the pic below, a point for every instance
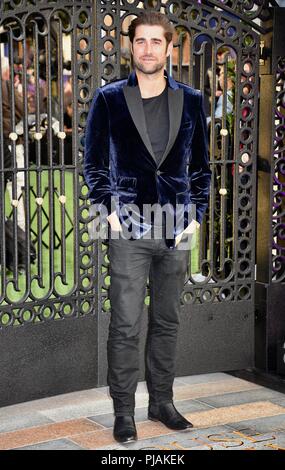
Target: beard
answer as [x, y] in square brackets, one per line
[146, 68]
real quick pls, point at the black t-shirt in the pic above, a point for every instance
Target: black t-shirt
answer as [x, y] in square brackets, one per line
[157, 122]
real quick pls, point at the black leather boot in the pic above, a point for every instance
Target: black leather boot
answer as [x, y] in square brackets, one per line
[169, 416]
[125, 429]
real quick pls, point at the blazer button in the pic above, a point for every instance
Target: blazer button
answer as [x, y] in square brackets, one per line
[158, 172]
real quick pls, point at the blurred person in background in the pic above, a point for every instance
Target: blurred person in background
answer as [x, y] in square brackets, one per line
[8, 131]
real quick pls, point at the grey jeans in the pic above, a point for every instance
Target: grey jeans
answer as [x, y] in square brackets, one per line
[131, 263]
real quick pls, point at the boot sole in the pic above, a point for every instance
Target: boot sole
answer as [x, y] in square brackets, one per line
[122, 441]
[173, 429]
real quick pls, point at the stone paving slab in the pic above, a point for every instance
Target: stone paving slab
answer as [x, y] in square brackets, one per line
[37, 434]
[207, 378]
[279, 401]
[261, 424]
[22, 420]
[237, 398]
[67, 399]
[231, 414]
[59, 444]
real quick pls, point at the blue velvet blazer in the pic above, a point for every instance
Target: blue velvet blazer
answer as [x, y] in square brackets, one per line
[119, 161]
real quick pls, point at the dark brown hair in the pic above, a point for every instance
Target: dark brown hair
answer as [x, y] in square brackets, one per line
[150, 17]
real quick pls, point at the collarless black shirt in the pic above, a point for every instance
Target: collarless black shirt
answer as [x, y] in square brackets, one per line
[157, 122]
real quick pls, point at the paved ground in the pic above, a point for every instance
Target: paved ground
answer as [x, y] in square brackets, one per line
[227, 412]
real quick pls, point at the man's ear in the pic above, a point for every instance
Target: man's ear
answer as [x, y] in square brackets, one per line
[169, 49]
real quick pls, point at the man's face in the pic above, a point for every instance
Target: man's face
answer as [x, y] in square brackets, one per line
[149, 49]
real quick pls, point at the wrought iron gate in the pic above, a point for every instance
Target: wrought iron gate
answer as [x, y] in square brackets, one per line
[54, 315]
[48, 313]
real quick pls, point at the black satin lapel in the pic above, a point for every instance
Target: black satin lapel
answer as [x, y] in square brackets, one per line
[175, 106]
[134, 102]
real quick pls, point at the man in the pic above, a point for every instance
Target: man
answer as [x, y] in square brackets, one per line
[146, 144]
[7, 86]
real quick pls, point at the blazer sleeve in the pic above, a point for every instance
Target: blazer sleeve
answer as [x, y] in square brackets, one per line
[96, 157]
[199, 169]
